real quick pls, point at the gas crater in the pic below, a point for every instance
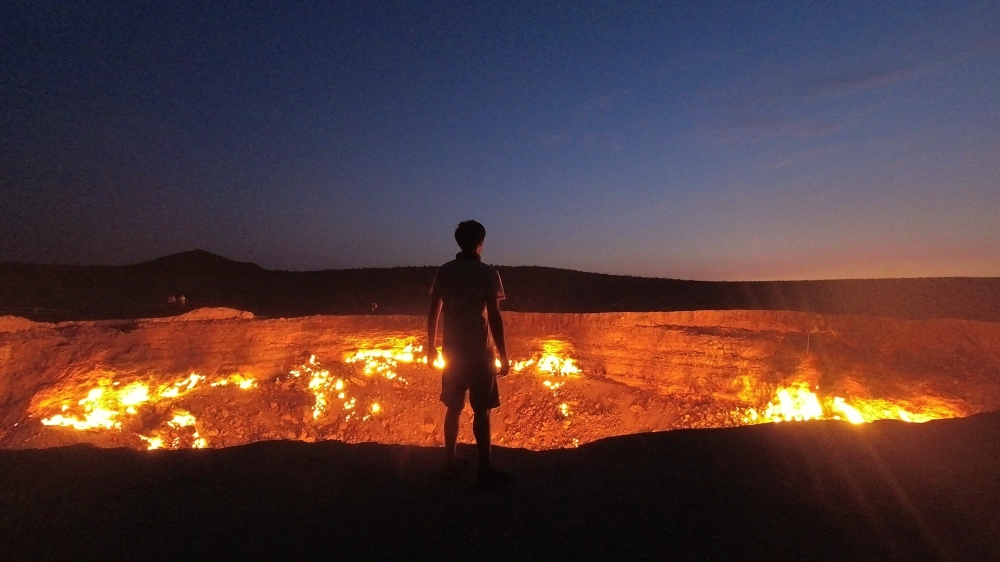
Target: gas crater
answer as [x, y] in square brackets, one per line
[219, 377]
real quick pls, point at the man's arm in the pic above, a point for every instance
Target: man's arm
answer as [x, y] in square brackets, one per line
[496, 328]
[432, 326]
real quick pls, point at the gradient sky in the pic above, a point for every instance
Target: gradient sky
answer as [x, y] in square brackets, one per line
[699, 140]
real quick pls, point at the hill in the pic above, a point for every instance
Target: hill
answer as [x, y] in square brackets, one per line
[63, 292]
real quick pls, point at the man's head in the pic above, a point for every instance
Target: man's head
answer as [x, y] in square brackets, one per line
[470, 236]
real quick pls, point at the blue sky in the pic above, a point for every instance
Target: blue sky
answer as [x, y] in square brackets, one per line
[702, 140]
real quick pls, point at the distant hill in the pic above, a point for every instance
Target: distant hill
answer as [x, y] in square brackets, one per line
[62, 292]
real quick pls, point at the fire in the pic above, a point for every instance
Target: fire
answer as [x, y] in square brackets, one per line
[319, 383]
[107, 406]
[152, 442]
[554, 361]
[384, 361]
[364, 389]
[797, 402]
[237, 379]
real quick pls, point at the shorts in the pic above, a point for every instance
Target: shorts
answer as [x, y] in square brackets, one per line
[479, 379]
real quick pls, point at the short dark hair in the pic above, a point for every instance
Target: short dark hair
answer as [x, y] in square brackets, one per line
[469, 235]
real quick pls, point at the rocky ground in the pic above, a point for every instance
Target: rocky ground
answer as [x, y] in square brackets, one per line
[808, 491]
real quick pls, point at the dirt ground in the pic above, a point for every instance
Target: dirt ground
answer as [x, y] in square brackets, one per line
[791, 491]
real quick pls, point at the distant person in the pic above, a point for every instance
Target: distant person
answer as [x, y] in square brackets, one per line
[374, 308]
[183, 300]
[172, 300]
[469, 292]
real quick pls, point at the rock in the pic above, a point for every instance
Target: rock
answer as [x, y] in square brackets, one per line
[207, 313]
[18, 324]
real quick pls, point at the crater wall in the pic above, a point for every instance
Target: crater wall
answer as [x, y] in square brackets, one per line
[639, 371]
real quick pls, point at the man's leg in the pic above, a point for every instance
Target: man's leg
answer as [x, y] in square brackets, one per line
[451, 419]
[481, 429]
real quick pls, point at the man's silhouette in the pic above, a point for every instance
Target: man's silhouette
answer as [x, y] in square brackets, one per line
[468, 292]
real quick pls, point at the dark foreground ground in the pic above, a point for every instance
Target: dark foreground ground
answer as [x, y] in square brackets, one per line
[806, 491]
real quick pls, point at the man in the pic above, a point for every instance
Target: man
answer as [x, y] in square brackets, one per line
[464, 289]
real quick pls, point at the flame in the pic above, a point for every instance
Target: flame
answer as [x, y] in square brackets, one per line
[333, 394]
[849, 412]
[105, 407]
[154, 442]
[384, 361]
[796, 402]
[182, 387]
[244, 382]
[134, 394]
[182, 419]
[553, 361]
[319, 382]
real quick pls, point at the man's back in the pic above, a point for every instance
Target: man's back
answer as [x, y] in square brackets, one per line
[465, 286]
[468, 292]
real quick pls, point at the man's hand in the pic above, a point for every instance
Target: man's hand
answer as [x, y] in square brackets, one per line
[504, 367]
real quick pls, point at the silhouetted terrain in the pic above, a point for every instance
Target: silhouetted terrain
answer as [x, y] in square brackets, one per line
[790, 491]
[62, 292]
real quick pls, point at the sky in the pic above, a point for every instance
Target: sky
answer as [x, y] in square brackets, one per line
[695, 140]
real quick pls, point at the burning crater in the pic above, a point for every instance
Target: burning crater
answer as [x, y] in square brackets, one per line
[218, 377]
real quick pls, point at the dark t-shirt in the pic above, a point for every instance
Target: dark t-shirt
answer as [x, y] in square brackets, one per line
[465, 285]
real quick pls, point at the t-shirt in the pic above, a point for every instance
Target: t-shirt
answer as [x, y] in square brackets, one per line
[465, 285]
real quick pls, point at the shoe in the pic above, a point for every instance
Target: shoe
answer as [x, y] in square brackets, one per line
[492, 478]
